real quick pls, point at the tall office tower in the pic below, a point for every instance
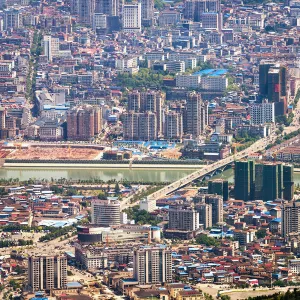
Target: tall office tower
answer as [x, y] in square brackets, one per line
[131, 125]
[134, 101]
[86, 122]
[12, 18]
[290, 214]
[74, 7]
[273, 182]
[153, 101]
[288, 182]
[173, 128]
[244, 180]
[97, 120]
[106, 212]
[195, 115]
[205, 214]
[259, 182]
[47, 272]
[148, 126]
[147, 12]
[132, 17]
[219, 187]
[108, 7]
[2, 117]
[262, 113]
[152, 265]
[273, 85]
[51, 46]
[183, 218]
[86, 9]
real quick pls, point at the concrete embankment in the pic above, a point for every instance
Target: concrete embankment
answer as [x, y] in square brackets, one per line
[101, 166]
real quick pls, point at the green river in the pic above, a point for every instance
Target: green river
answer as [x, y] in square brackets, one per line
[146, 175]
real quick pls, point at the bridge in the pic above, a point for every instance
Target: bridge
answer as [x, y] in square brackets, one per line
[209, 169]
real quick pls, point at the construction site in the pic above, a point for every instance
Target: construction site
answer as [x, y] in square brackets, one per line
[49, 152]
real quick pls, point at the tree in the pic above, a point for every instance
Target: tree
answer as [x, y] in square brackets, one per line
[117, 188]
[206, 240]
[261, 233]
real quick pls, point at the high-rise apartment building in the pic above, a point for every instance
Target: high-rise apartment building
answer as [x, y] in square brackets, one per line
[134, 101]
[84, 122]
[173, 126]
[106, 212]
[152, 265]
[262, 113]
[288, 182]
[47, 272]
[153, 101]
[290, 214]
[183, 218]
[86, 9]
[219, 187]
[51, 46]
[108, 7]
[205, 214]
[131, 130]
[196, 115]
[132, 17]
[11, 18]
[148, 126]
[147, 7]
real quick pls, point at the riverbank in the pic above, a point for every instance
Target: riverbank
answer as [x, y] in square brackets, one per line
[102, 166]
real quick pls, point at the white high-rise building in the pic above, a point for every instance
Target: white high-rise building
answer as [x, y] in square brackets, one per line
[51, 46]
[47, 272]
[262, 113]
[132, 17]
[152, 265]
[106, 212]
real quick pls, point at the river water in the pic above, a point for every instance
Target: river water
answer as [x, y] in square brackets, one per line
[157, 175]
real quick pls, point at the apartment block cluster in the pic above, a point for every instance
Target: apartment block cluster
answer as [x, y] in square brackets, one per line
[148, 118]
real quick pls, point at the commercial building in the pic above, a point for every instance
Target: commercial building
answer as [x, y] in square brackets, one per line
[108, 7]
[244, 180]
[51, 47]
[268, 181]
[132, 17]
[183, 218]
[290, 214]
[294, 266]
[214, 83]
[188, 81]
[12, 18]
[196, 115]
[219, 187]
[99, 21]
[262, 113]
[273, 85]
[105, 212]
[152, 265]
[47, 272]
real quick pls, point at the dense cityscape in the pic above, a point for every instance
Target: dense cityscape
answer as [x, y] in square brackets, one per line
[149, 149]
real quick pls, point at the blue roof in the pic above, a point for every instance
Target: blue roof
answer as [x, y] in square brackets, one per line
[277, 220]
[211, 72]
[74, 284]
